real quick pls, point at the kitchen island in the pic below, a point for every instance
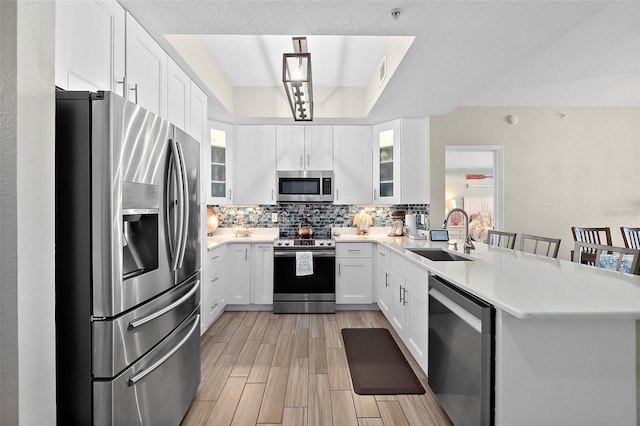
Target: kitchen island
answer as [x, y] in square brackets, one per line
[565, 333]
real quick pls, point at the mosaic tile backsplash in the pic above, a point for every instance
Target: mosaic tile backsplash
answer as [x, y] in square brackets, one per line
[320, 216]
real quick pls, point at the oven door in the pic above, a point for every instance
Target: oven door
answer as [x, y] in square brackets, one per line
[286, 282]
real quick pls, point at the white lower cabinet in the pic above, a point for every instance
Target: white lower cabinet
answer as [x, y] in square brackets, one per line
[354, 273]
[398, 315]
[212, 301]
[238, 288]
[408, 309]
[416, 336]
[262, 274]
[250, 274]
[384, 287]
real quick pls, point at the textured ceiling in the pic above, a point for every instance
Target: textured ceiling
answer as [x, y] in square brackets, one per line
[514, 53]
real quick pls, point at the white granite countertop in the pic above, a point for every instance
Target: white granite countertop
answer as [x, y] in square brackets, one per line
[527, 286]
[521, 284]
[228, 235]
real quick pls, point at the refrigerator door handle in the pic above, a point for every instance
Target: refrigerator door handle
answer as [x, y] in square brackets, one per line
[144, 373]
[133, 324]
[185, 207]
[174, 162]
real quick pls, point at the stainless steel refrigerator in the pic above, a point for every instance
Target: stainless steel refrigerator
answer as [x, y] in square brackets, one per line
[127, 264]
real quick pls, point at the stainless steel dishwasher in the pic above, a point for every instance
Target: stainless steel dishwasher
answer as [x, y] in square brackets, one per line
[461, 353]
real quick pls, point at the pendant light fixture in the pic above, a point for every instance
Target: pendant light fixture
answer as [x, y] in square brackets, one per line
[296, 77]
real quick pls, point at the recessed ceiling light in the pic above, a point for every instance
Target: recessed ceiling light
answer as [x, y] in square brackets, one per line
[395, 13]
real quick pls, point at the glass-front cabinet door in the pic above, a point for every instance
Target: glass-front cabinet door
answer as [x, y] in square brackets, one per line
[386, 163]
[219, 165]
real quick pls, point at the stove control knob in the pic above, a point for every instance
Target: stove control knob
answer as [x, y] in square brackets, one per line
[328, 243]
[279, 243]
[286, 243]
[321, 243]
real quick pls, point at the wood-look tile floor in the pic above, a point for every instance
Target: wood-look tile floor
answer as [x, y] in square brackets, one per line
[260, 368]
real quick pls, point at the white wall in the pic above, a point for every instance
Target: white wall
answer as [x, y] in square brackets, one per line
[27, 370]
[580, 170]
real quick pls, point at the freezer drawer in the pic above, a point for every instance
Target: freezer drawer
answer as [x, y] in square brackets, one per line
[119, 342]
[158, 388]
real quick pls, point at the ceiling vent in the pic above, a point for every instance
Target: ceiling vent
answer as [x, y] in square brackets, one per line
[382, 72]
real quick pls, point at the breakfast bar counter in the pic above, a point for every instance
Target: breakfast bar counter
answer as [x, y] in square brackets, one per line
[566, 335]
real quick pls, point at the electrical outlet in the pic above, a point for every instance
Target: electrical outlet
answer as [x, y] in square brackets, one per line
[421, 219]
[274, 217]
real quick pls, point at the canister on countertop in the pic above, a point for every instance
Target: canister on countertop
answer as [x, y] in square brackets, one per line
[410, 223]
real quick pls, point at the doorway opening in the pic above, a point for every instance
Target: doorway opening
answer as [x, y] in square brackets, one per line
[474, 182]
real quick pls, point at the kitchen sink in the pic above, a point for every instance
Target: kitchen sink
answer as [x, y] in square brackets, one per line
[438, 255]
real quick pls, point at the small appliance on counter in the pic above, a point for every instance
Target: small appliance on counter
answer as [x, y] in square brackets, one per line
[397, 218]
[362, 221]
[412, 227]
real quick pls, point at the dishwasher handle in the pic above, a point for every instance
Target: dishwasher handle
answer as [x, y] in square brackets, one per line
[475, 307]
[457, 310]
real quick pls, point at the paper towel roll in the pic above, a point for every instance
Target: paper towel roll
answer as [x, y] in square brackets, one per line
[410, 221]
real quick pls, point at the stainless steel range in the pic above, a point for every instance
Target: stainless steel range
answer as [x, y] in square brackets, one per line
[297, 291]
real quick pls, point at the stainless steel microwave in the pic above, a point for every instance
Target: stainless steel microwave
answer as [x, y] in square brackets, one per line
[305, 186]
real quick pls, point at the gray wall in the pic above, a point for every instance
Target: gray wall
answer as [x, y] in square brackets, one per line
[27, 106]
[577, 170]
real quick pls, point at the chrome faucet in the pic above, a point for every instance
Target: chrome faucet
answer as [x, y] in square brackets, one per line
[468, 245]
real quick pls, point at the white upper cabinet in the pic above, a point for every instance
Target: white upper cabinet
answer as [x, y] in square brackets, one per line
[218, 163]
[352, 164]
[415, 161]
[198, 114]
[400, 162]
[89, 42]
[387, 163]
[304, 147]
[255, 160]
[146, 69]
[179, 98]
[198, 128]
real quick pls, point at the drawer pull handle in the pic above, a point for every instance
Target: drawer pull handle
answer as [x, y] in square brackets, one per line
[141, 321]
[143, 373]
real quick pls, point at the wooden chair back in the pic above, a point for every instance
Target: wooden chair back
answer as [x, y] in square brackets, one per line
[592, 235]
[536, 245]
[501, 239]
[631, 237]
[607, 257]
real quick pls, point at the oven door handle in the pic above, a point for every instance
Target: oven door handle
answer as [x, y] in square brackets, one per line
[314, 253]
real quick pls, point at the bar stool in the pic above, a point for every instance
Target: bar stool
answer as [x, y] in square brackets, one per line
[552, 245]
[501, 239]
[631, 237]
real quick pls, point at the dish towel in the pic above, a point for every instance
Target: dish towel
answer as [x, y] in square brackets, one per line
[304, 263]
